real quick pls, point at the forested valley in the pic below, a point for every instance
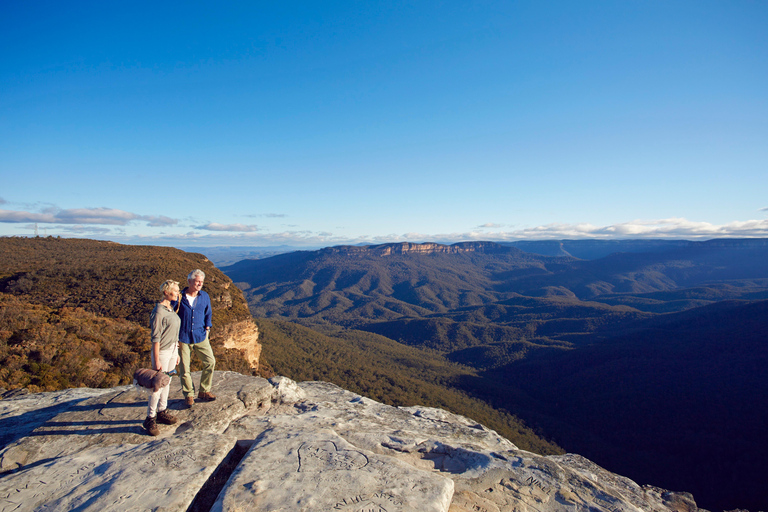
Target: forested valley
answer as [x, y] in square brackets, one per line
[650, 363]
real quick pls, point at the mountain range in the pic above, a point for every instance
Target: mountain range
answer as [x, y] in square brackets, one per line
[629, 358]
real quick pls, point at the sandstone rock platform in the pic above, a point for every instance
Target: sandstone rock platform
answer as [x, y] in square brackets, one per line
[281, 446]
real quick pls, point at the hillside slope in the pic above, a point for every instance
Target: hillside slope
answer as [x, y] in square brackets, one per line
[743, 263]
[76, 312]
[677, 400]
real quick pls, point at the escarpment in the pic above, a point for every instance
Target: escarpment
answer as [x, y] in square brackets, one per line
[423, 248]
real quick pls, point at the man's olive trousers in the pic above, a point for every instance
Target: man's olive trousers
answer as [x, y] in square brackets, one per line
[205, 353]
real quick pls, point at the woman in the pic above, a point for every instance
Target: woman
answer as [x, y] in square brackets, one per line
[165, 324]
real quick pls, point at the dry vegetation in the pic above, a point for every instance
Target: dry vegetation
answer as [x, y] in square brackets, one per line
[75, 312]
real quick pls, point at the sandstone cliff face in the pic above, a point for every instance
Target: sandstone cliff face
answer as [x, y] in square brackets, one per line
[280, 446]
[244, 336]
[425, 248]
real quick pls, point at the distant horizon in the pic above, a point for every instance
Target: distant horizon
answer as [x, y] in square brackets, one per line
[161, 243]
[332, 123]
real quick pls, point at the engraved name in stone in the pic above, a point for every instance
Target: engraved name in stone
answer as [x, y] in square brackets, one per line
[376, 502]
[533, 482]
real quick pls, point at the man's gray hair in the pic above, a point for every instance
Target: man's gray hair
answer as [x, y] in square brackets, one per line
[195, 273]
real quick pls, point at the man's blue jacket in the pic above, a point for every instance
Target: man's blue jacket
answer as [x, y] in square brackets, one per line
[195, 319]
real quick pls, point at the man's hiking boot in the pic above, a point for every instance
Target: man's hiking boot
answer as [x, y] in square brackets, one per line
[206, 396]
[190, 401]
[166, 418]
[150, 425]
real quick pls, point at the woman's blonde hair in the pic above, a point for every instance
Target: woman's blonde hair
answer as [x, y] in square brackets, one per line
[167, 285]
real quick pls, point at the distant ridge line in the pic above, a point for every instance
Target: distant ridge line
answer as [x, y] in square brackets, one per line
[573, 249]
[419, 248]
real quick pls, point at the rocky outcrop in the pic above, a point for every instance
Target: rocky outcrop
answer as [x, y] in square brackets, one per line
[242, 335]
[280, 446]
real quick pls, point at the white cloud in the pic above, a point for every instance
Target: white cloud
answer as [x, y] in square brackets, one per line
[268, 215]
[98, 216]
[677, 228]
[13, 216]
[241, 228]
[160, 220]
[489, 225]
[294, 238]
[108, 216]
[84, 230]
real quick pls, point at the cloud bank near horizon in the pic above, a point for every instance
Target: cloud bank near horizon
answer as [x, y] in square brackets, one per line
[111, 223]
[677, 228]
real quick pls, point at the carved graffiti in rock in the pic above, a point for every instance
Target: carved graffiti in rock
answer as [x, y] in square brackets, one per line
[376, 502]
[325, 456]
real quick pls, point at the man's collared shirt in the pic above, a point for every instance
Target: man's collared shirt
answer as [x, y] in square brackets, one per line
[194, 319]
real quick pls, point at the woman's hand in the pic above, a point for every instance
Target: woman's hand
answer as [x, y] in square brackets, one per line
[156, 357]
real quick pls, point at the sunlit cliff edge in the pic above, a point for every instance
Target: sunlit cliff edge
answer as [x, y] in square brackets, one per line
[278, 445]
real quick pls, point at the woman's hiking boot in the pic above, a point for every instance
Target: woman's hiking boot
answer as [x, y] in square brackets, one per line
[150, 425]
[166, 418]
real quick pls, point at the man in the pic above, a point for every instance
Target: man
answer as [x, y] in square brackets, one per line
[195, 313]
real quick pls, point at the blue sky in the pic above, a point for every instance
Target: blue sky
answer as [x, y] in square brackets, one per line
[321, 123]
